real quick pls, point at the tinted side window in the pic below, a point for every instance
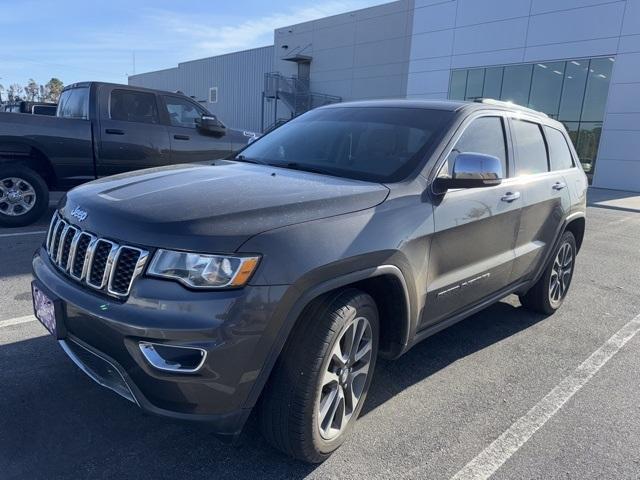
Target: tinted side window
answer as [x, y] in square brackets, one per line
[483, 135]
[183, 113]
[559, 153]
[529, 144]
[74, 103]
[130, 106]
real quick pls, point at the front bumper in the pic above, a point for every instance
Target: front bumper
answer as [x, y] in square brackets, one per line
[236, 329]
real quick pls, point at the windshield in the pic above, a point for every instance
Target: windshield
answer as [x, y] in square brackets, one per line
[382, 144]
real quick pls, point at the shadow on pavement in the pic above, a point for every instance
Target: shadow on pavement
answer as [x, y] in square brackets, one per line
[437, 352]
[614, 199]
[56, 423]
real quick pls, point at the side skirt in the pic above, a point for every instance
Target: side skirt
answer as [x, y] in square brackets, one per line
[433, 329]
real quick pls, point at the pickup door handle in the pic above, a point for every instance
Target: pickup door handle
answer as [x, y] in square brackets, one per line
[114, 131]
[559, 185]
[181, 137]
[510, 196]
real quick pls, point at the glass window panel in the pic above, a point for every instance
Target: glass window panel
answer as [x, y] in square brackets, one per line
[529, 143]
[588, 141]
[483, 135]
[575, 77]
[559, 153]
[516, 83]
[132, 106]
[492, 82]
[595, 97]
[475, 82]
[572, 130]
[546, 87]
[458, 84]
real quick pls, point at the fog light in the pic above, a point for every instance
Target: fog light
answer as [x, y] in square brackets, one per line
[171, 358]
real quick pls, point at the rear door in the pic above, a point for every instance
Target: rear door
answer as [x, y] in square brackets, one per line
[540, 161]
[475, 228]
[131, 133]
[188, 143]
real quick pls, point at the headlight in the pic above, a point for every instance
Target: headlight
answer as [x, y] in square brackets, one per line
[203, 271]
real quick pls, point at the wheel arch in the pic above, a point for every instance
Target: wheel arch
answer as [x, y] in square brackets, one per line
[577, 226]
[30, 154]
[385, 281]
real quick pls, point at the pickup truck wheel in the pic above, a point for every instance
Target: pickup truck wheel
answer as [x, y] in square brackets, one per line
[547, 295]
[321, 380]
[24, 196]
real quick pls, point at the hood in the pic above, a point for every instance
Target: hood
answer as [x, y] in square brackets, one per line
[211, 208]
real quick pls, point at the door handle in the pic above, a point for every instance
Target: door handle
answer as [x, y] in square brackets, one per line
[114, 131]
[559, 185]
[510, 196]
[181, 137]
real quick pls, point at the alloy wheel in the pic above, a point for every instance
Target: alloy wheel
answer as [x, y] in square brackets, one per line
[17, 196]
[561, 274]
[345, 377]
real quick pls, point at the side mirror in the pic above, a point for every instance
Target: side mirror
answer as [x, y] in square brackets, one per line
[211, 125]
[472, 170]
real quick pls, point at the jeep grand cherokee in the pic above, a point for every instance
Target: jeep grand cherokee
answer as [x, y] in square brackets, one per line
[273, 280]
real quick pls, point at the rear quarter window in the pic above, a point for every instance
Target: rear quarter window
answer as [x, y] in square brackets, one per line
[559, 154]
[529, 145]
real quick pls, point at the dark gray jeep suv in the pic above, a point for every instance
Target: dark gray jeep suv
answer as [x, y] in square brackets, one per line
[273, 280]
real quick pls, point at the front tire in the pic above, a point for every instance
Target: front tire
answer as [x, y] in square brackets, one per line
[320, 382]
[24, 196]
[549, 292]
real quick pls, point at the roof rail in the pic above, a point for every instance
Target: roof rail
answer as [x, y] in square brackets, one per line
[500, 103]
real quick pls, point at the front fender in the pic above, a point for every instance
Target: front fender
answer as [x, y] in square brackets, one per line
[317, 283]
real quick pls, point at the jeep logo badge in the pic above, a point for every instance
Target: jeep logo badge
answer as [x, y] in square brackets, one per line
[79, 213]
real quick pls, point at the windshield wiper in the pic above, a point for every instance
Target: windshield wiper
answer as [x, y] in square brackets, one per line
[304, 168]
[242, 158]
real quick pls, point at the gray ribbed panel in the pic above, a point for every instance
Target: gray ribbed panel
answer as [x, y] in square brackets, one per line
[239, 77]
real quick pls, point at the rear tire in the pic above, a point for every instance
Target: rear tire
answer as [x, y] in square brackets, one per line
[24, 196]
[320, 382]
[549, 292]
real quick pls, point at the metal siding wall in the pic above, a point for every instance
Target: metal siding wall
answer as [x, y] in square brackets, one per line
[239, 77]
[160, 80]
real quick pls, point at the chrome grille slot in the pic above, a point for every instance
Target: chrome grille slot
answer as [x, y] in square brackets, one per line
[79, 256]
[98, 268]
[55, 239]
[125, 264]
[69, 234]
[97, 262]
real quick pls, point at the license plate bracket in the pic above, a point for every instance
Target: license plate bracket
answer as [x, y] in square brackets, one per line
[48, 309]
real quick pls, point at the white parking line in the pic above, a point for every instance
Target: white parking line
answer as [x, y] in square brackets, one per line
[497, 453]
[17, 321]
[17, 234]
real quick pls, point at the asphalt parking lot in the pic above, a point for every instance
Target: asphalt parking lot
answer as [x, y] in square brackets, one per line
[519, 393]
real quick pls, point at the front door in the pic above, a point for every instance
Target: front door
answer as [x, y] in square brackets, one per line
[472, 253]
[188, 143]
[131, 134]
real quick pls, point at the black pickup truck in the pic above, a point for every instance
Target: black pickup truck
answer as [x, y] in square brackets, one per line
[102, 129]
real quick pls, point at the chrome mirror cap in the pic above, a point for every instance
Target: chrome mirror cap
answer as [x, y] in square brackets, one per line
[477, 166]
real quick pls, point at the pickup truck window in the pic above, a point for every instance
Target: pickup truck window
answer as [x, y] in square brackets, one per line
[130, 106]
[182, 112]
[74, 103]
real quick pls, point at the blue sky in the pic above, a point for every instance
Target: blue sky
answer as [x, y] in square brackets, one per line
[78, 40]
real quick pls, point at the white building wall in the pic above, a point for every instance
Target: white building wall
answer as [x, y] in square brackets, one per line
[356, 55]
[471, 33]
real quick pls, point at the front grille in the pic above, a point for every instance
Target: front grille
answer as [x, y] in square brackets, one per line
[97, 262]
